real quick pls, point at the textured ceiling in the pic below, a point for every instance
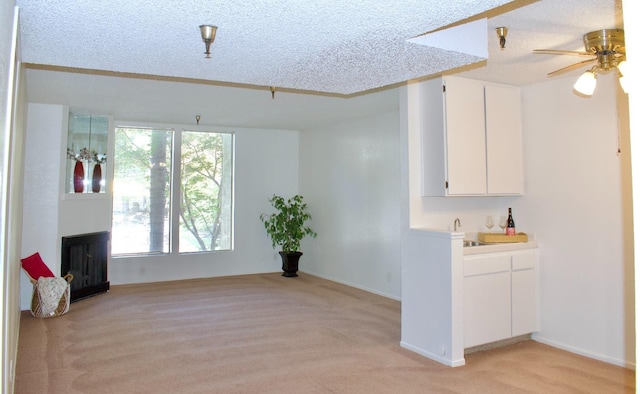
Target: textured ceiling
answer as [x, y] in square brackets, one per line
[325, 46]
[314, 46]
[545, 24]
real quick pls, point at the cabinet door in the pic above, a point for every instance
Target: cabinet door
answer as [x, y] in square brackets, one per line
[524, 294]
[487, 299]
[465, 137]
[433, 140]
[504, 140]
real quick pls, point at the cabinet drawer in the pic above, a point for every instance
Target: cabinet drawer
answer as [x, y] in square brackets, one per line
[523, 261]
[486, 265]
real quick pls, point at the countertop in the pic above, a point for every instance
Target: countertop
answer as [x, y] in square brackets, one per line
[499, 247]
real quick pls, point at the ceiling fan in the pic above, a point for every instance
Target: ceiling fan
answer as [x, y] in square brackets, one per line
[605, 47]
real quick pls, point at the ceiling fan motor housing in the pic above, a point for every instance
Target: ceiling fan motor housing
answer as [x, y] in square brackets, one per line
[607, 45]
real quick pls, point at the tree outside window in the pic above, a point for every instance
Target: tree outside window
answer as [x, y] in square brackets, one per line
[205, 192]
[145, 219]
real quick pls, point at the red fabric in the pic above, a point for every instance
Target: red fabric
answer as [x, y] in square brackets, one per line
[35, 267]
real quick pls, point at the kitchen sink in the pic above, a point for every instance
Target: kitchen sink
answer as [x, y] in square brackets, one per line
[467, 243]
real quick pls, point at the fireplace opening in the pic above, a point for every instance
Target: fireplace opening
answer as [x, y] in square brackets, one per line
[85, 256]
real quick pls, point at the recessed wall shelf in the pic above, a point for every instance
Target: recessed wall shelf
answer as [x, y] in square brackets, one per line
[86, 154]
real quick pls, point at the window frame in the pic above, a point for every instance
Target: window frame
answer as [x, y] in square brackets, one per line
[176, 185]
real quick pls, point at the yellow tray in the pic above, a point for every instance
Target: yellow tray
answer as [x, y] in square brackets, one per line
[499, 237]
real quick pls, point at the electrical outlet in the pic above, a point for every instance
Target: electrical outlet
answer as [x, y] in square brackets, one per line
[443, 350]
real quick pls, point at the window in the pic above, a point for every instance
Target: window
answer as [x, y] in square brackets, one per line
[154, 168]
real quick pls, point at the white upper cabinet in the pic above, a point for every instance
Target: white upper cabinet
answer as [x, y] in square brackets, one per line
[504, 140]
[465, 136]
[471, 138]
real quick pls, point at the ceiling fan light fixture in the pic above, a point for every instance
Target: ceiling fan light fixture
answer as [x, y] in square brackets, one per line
[208, 33]
[586, 84]
[607, 48]
[622, 67]
[623, 83]
[622, 75]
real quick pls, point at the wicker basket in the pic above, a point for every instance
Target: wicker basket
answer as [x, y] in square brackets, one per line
[63, 305]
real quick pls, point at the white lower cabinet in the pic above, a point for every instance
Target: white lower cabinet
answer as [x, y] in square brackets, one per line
[524, 293]
[500, 296]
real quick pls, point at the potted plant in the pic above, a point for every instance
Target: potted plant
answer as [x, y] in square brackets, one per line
[287, 228]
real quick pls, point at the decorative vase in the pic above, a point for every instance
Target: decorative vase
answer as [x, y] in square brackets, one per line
[290, 263]
[78, 177]
[97, 177]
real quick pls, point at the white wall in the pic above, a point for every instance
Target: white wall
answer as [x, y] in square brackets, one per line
[6, 33]
[350, 177]
[12, 117]
[440, 212]
[49, 212]
[578, 202]
[632, 32]
[45, 124]
[433, 295]
[266, 163]
[358, 189]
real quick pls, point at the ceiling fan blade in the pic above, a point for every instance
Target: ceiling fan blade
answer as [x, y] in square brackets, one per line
[569, 68]
[561, 52]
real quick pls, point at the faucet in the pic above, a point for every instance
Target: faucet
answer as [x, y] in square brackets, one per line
[456, 223]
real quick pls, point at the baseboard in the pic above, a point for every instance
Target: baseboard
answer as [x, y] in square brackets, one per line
[433, 356]
[497, 344]
[89, 291]
[342, 282]
[583, 352]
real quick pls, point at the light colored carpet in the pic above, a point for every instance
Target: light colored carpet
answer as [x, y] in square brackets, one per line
[270, 334]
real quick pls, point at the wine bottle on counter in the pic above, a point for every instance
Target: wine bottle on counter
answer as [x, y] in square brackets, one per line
[511, 225]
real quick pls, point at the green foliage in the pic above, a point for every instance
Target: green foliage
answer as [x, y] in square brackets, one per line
[287, 226]
[201, 187]
[143, 156]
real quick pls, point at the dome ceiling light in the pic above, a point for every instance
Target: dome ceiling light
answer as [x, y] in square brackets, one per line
[208, 33]
[502, 36]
